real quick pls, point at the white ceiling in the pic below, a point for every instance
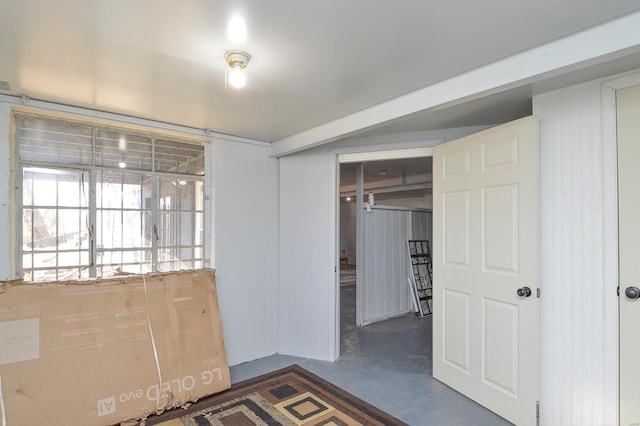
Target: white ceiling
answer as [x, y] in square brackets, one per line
[312, 62]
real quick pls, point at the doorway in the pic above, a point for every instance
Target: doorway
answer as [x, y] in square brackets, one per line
[391, 191]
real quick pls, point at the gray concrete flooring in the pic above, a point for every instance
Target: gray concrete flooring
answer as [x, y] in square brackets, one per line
[387, 364]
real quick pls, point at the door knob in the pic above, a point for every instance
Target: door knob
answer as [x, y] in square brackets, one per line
[632, 293]
[526, 292]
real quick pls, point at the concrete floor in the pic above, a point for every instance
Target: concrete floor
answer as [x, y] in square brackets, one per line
[388, 364]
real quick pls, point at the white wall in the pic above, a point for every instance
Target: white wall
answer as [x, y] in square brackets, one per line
[576, 386]
[308, 290]
[384, 264]
[245, 230]
[306, 273]
[246, 245]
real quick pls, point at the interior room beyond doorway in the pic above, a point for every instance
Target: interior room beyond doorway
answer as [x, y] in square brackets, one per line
[400, 187]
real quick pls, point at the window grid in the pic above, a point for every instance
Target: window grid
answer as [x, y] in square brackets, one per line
[177, 238]
[60, 264]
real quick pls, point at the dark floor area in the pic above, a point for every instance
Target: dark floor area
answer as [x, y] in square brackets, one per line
[388, 364]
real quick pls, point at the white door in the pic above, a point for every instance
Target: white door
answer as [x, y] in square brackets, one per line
[628, 111]
[486, 323]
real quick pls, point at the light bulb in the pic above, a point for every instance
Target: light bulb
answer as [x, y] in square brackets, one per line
[237, 77]
[122, 164]
[237, 30]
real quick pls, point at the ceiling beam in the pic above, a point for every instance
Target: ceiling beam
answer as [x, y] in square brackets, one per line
[593, 46]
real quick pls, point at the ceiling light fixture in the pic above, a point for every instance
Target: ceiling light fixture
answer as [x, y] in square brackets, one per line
[237, 60]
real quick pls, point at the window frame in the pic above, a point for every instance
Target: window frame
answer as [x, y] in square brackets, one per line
[92, 171]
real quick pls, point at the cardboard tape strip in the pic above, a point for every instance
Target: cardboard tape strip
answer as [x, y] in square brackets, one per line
[153, 342]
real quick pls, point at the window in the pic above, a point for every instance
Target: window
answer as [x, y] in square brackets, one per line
[97, 201]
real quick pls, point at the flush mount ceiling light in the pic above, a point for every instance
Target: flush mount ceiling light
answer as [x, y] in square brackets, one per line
[237, 60]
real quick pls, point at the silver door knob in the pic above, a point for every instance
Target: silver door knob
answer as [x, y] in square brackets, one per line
[523, 292]
[632, 293]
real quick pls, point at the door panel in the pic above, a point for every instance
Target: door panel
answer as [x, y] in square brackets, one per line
[628, 111]
[486, 246]
[500, 229]
[500, 329]
[457, 324]
[456, 228]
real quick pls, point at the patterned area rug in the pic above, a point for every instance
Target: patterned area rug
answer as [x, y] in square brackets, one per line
[291, 396]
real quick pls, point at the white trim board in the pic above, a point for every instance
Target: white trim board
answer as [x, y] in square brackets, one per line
[396, 154]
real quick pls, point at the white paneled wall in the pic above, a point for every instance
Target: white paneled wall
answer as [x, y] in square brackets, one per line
[385, 266]
[386, 289]
[421, 226]
[575, 389]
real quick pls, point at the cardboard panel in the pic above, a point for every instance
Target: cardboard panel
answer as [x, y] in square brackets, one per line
[106, 351]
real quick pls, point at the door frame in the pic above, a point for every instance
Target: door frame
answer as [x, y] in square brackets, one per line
[356, 154]
[610, 259]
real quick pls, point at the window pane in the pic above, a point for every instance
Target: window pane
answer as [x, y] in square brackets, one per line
[136, 189]
[179, 157]
[68, 274]
[45, 226]
[26, 261]
[73, 189]
[45, 260]
[131, 229]
[199, 229]
[168, 198]
[115, 149]
[109, 228]
[54, 141]
[27, 222]
[109, 190]
[71, 229]
[69, 259]
[27, 189]
[116, 262]
[177, 264]
[44, 186]
[181, 194]
[107, 257]
[55, 187]
[176, 229]
[45, 275]
[123, 190]
[199, 252]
